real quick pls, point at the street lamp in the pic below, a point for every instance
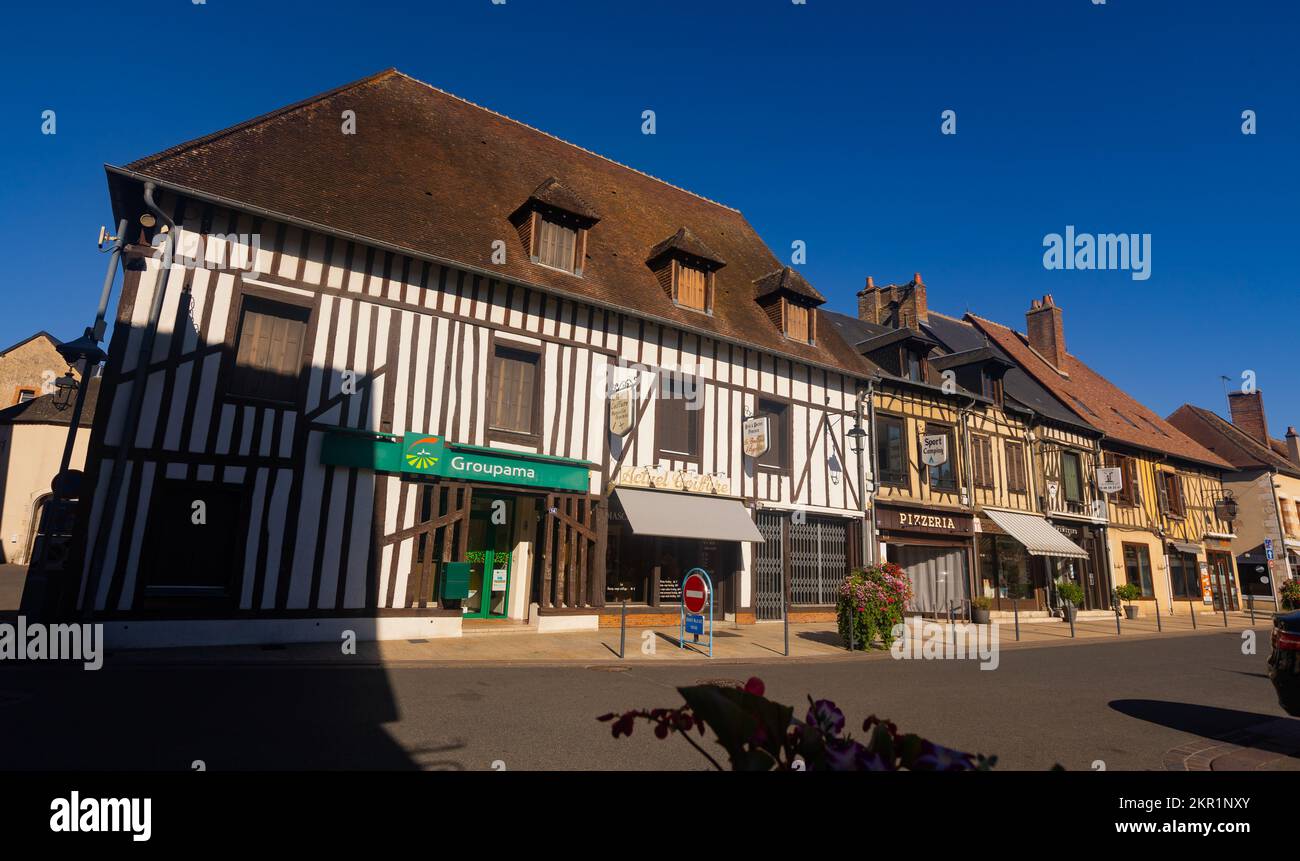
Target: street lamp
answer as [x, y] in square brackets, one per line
[65, 386]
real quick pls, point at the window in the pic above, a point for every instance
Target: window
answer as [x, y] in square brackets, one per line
[691, 287]
[1128, 494]
[1171, 493]
[943, 476]
[1016, 479]
[913, 366]
[268, 352]
[1183, 576]
[778, 434]
[1072, 477]
[24, 395]
[677, 416]
[188, 563]
[514, 383]
[1081, 405]
[891, 451]
[1128, 421]
[1137, 568]
[797, 322]
[982, 455]
[1288, 515]
[556, 244]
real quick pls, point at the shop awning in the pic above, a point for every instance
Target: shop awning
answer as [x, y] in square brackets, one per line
[1184, 547]
[684, 515]
[1039, 537]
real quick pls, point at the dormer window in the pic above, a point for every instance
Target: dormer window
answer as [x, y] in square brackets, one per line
[553, 225]
[913, 365]
[685, 268]
[557, 244]
[791, 304]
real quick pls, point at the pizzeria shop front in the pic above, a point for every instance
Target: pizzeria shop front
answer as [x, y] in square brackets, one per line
[933, 547]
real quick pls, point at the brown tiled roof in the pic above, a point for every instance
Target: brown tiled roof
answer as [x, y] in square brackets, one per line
[436, 175]
[788, 280]
[554, 193]
[687, 243]
[1229, 441]
[1098, 401]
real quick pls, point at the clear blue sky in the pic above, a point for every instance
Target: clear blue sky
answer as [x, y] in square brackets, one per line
[820, 121]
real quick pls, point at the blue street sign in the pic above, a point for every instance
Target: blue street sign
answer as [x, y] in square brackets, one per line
[1268, 548]
[694, 624]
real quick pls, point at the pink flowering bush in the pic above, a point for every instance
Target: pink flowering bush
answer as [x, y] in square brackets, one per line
[871, 602]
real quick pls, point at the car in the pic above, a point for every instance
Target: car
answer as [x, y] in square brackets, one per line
[1284, 663]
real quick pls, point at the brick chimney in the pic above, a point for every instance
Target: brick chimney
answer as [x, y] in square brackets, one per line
[1293, 445]
[895, 305]
[1047, 330]
[1247, 410]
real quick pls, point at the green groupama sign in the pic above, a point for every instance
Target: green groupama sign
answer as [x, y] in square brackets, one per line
[428, 454]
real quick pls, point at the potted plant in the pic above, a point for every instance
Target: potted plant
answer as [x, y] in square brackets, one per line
[1128, 593]
[872, 602]
[1071, 594]
[979, 609]
[1290, 594]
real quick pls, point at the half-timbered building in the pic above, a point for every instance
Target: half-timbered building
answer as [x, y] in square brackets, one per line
[385, 360]
[1166, 533]
[969, 522]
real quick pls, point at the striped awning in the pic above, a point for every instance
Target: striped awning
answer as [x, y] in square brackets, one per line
[1032, 530]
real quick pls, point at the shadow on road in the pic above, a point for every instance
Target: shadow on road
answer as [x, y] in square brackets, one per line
[1247, 729]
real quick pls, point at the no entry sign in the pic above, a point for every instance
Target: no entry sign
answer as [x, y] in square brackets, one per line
[695, 593]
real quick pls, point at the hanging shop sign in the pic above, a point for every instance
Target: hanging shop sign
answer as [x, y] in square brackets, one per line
[756, 440]
[934, 449]
[1110, 479]
[622, 405]
[675, 479]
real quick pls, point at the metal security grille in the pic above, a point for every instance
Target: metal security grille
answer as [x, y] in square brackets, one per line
[818, 559]
[767, 567]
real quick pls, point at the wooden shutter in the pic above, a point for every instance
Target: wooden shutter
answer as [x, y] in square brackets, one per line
[796, 321]
[268, 352]
[690, 287]
[556, 245]
[514, 384]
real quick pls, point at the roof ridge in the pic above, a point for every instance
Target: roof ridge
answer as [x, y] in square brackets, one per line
[563, 141]
[1231, 430]
[151, 160]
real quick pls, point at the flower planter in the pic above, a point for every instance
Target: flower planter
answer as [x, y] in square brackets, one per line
[1069, 613]
[980, 617]
[1132, 611]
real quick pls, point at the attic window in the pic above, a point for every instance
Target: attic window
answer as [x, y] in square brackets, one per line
[553, 224]
[685, 268]
[791, 304]
[557, 244]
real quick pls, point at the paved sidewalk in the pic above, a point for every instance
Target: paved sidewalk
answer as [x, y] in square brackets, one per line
[732, 643]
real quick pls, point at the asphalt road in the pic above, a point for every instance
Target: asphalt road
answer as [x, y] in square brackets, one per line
[1124, 703]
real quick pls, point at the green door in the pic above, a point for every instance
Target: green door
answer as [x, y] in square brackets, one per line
[490, 525]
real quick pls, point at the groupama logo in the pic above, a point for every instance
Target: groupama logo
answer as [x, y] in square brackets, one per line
[422, 454]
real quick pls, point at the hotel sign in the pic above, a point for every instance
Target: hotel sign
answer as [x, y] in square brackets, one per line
[1110, 479]
[937, 522]
[621, 405]
[756, 439]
